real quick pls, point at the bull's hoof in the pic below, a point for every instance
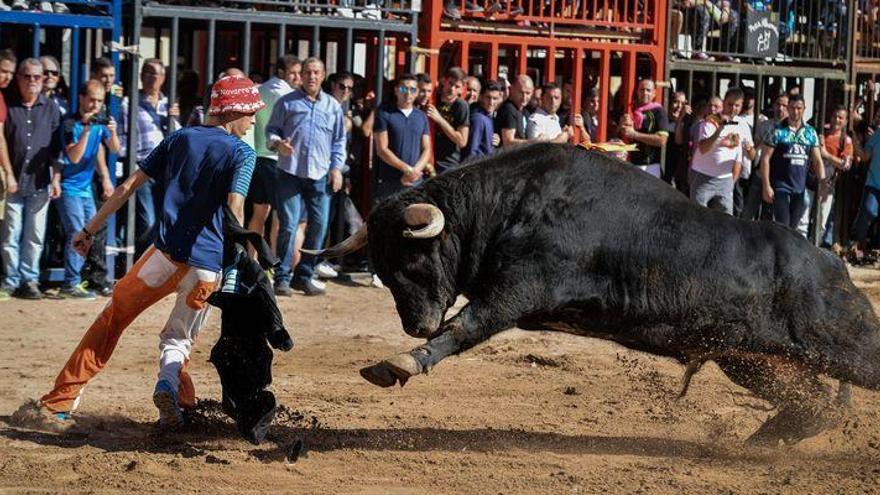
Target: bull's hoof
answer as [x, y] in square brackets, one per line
[398, 369]
[790, 425]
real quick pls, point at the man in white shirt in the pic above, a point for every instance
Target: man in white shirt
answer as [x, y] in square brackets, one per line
[719, 155]
[263, 192]
[544, 123]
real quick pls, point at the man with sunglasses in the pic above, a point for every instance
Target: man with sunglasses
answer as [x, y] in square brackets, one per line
[51, 69]
[403, 141]
[32, 135]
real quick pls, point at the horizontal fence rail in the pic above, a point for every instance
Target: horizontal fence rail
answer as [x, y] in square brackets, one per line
[601, 14]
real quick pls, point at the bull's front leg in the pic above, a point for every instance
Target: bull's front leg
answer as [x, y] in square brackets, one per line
[474, 324]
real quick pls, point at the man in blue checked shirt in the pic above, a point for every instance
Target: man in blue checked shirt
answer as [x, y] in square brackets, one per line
[307, 130]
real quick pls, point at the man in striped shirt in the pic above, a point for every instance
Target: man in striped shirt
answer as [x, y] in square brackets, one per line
[202, 170]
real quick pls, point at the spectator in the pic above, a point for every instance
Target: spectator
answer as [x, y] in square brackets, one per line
[450, 117]
[204, 169]
[426, 92]
[51, 86]
[188, 97]
[565, 112]
[741, 187]
[677, 163]
[472, 90]
[450, 9]
[698, 16]
[535, 101]
[156, 118]
[591, 116]
[544, 123]
[837, 152]
[512, 118]
[403, 141]
[8, 183]
[647, 128]
[32, 137]
[482, 131]
[264, 186]
[94, 271]
[307, 130]
[719, 153]
[764, 129]
[784, 161]
[84, 133]
[871, 195]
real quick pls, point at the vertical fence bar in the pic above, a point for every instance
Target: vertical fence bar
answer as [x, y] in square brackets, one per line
[74, 69]
[604, 93]
[35, 42]
[315, 45]
[380, 67]
[172, 65]
[246, 49]
[209, 63]
[131, 159]
[348, 59]
[282, 41]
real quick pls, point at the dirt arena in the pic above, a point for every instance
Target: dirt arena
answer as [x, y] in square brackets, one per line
[523, 413]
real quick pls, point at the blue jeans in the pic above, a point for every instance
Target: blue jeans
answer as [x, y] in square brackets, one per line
[147, 212]
[867, 214]
[75, 212]
[788, 208]
[22, 236]
[293, 192]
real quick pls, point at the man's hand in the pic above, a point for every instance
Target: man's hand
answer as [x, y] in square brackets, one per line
[82, 242]
[11, 184]
[117, 90]
[284, 147]
[627, 132]
[335, 180]
[824, 187]
[55, 187]
[108, 188]
[111, 126]
[496, 140]
[411, 177]
[433, 113]
[174, 111]
[768, 194]
[579, 121]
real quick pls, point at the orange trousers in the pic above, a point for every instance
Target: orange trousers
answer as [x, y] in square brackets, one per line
[152, 278]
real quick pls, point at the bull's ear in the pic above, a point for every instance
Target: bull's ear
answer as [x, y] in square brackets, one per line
[423, 214]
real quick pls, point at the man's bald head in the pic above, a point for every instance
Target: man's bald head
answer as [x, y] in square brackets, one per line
[521, 91]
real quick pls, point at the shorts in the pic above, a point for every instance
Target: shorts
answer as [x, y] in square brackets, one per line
[264, 184]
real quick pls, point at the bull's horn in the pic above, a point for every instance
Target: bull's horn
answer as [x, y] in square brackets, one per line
[350, 245]
[423, 214]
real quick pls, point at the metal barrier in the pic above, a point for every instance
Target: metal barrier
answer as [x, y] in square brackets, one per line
[621, 15]
[867, 31]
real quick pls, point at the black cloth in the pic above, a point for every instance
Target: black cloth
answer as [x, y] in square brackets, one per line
[446, 153]
[655, 120]
[250, 319]
[34, 141]
[264, 184]
[677, 161]
[509, 117]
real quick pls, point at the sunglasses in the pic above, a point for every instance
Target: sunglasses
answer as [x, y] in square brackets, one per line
[52, 72]
[404, 90]
[346, 88]
[32, 77]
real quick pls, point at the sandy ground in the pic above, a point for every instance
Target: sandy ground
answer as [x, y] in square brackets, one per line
[523, 413]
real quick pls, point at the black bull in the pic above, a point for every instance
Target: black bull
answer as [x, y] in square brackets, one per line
[552, 237]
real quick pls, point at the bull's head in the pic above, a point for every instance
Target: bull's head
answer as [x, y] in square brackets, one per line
[406, 250]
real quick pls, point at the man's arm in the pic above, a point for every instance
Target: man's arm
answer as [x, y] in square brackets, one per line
[767, 190]
[103, 173]
[458, 136]
[818, 163]
[245, 161]
[275, 126]
[427, 153]
[387, 155]
[708, 142]
[6, 163]
[112, 142]
[76, 149]
[508, 138]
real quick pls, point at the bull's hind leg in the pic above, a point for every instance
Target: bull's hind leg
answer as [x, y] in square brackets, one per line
[801, 398]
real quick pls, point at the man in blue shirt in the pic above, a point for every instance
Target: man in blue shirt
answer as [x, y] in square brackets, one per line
[307, 129]
[480, 140]
[403, 141]
[784, 162]
[202, 169]
[83, 135]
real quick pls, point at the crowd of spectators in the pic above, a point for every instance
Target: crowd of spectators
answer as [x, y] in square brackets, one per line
[317, 133]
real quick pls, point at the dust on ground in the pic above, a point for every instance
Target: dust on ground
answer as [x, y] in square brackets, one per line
[527, 412]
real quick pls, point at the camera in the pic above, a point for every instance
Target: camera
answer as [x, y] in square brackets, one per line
[99, 119]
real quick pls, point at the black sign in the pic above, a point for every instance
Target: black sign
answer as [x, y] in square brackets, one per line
[762, 35]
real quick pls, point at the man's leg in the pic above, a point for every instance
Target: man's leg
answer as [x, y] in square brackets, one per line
[317, 205]
[828, 224]
[867, 214]
[9, 236]
[803, 223]
[288, 218]
[71, 212]
[798, 207]
[145, 217]
[33, 235]
[153, 277]
[174, 388]
[782, 207]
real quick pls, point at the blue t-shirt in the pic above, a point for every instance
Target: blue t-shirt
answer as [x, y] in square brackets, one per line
[198, 167]
[873, 147]
[480, 137]
[404, 138]
[76, 178]
[791, 157]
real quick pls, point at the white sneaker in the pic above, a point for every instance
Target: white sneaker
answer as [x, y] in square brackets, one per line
[60, 8]
[377, 282]
[20, 5]
[371, 11]
[4, 7]
[46, 6]
[319, 284]
[324, 270]
[345, 12]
